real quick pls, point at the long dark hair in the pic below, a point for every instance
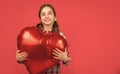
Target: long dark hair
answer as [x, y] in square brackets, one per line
[55, 25]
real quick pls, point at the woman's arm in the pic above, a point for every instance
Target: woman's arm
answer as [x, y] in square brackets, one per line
[67, 50]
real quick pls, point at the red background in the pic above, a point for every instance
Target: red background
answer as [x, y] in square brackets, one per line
[92, 28]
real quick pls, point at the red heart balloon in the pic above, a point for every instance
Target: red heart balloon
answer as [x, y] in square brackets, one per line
[39, 47]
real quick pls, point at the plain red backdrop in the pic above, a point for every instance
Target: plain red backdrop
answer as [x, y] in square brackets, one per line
[92, 28]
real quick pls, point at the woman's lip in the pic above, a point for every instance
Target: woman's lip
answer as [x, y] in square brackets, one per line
[47, 20]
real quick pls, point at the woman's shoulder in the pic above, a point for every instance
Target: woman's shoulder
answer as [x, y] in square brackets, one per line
[62, 34]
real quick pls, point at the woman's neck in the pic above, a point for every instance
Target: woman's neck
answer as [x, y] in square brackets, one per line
[47, 28]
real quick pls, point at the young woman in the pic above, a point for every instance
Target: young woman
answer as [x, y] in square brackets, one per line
[48, 23]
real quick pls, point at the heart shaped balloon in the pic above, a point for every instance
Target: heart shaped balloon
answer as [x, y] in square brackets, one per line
[39, 47]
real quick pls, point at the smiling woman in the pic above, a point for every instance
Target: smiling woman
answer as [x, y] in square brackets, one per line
[47, 16]
[47, 25]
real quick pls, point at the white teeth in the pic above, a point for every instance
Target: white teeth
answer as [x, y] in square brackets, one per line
[47, 20]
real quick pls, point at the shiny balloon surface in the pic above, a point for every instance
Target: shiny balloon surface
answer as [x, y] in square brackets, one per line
[39, 47]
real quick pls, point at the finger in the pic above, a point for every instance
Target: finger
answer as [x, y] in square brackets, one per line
[66, 49]
[55, 51]
[18, 51]
[23, 53]
[58, 50]
[22, 59]
[55, 54]
[56, 58]
[21, 56]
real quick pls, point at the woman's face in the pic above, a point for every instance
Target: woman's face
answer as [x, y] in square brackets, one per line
[47, 16]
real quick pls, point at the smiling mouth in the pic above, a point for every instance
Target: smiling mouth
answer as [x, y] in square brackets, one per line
[47, 20]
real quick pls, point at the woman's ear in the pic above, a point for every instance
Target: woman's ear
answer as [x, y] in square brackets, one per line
[55, 19]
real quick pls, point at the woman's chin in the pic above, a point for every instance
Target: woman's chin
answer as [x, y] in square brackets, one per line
[48, 24]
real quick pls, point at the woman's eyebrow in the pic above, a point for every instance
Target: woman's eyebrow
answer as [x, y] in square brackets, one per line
[47, 11]
[50, 11]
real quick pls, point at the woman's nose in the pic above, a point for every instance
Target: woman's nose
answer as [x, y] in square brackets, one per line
[46, 16]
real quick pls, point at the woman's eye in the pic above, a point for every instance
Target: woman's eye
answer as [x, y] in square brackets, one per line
[43, 14]
[50, 13]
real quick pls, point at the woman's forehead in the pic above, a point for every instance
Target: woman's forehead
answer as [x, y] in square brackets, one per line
[46, 9]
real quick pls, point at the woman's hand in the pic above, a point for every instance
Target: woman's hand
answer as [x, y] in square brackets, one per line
[60, 55]
[21, 56]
